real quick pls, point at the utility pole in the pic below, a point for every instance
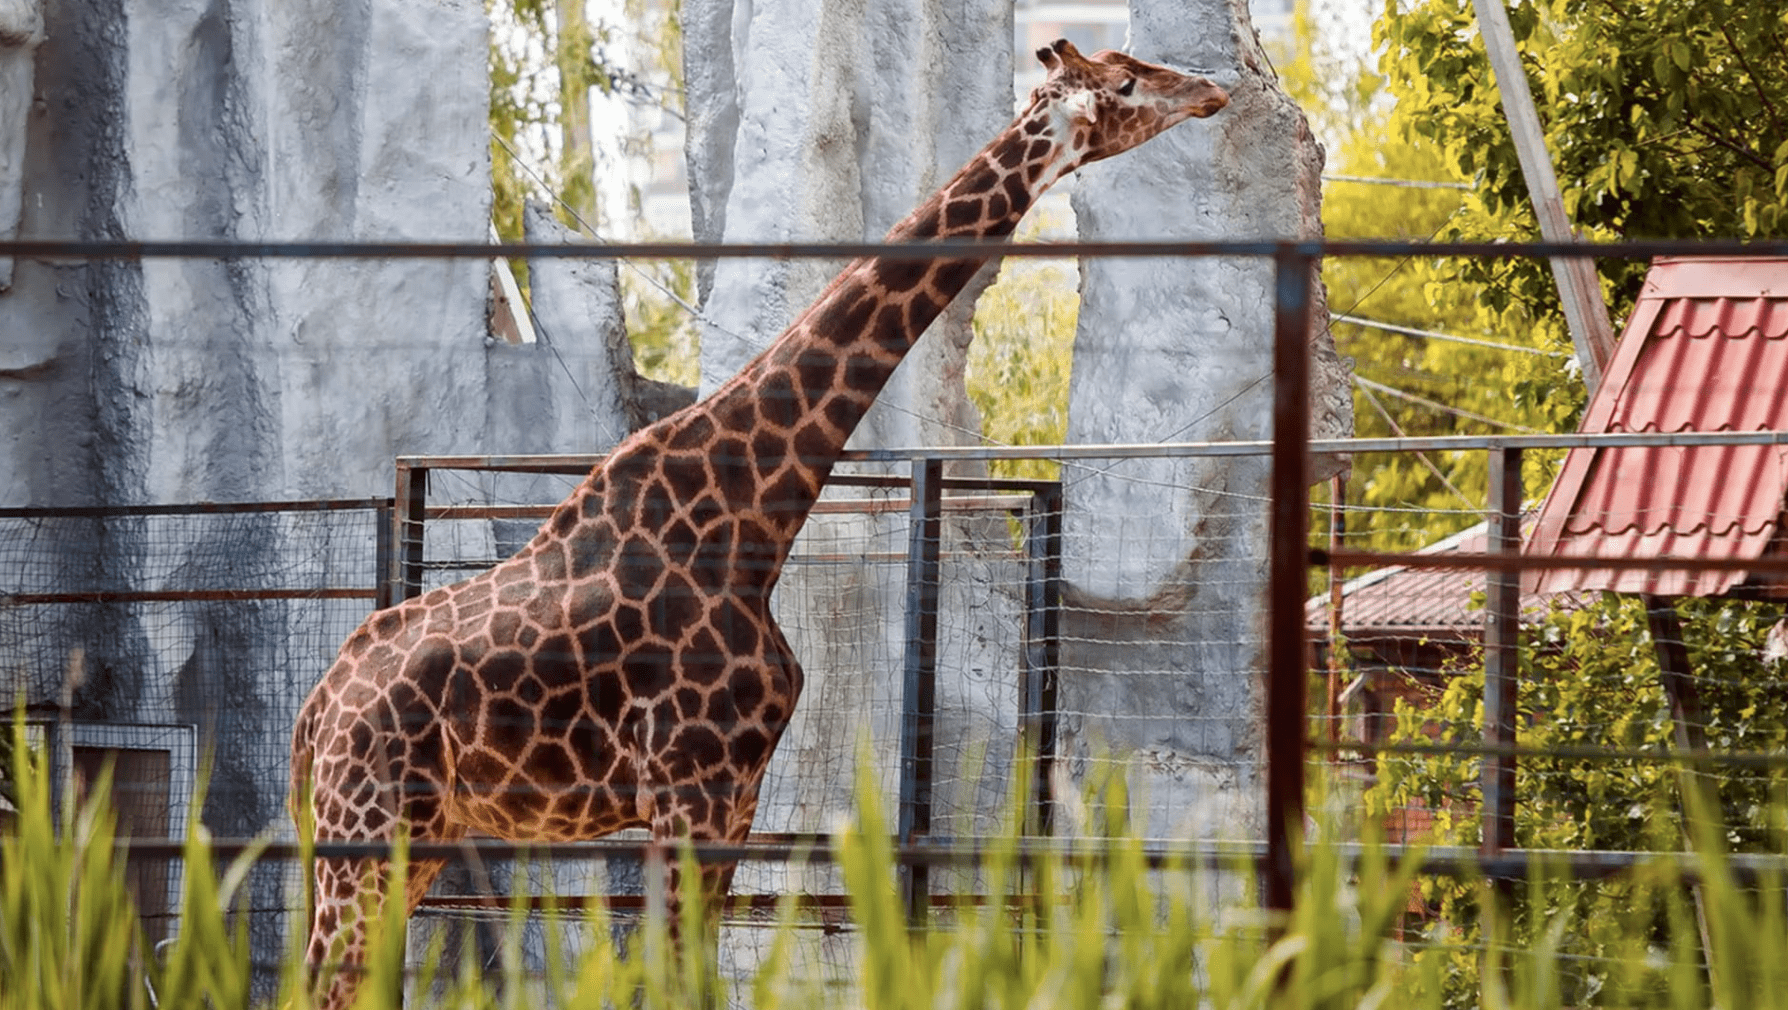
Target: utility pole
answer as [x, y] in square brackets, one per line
[1585, 312]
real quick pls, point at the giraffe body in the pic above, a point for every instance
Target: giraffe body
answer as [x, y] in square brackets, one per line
[623, 669]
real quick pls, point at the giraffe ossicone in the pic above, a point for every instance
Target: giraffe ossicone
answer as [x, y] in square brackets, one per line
[623, 669]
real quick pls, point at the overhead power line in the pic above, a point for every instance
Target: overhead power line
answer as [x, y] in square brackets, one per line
[1372, 180]
[1432, 335]
[1443, 408]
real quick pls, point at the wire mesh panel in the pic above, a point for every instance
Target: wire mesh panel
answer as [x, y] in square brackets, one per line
[210, 627]
[1163, 625]
[203, 625]
[1553, 714]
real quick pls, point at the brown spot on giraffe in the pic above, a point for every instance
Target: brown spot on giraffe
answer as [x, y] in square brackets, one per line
[624, 669]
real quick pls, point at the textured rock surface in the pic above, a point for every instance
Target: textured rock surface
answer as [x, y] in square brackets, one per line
[21, 32]
[1165, 644]
[830, 121]
[836, 120]
[189, 380]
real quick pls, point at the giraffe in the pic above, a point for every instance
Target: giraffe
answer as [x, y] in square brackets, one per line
[623, 668]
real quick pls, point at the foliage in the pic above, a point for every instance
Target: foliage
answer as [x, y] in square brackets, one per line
[658, 295]
[1114, 930]
[69, 934]
[666, 340]
[1589, 678]
[542, 65]
[1383, 183]
[1664, 119]
[1018, 365]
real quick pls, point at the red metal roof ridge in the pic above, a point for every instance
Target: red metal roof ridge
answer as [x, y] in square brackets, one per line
[1719, 530]
[1596, 416]
[1731, 317]
[1715, 277]
[1658, 429]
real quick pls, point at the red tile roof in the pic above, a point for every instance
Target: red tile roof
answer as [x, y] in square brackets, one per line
[1706, 349]
[1431, 603]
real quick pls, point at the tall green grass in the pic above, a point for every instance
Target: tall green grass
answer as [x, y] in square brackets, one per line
[1115, 932]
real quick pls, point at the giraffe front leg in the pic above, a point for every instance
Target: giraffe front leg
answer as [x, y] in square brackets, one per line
[693, 907]
[350, 896]
[347, 894]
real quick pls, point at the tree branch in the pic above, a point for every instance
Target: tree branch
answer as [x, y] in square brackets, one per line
[1756, 85]
[1736, 148]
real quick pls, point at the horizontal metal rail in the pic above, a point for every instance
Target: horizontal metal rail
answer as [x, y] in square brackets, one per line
[80, 249]
[192, 508]
[579, 463]
[797, 560]
[185, 595]
[735, 902]
[1746, 759]
[825, 506]
[1525, 562]
[1247, 856]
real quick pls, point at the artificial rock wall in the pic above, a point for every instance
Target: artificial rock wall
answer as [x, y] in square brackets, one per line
[828, 121]
[822, 120]
[1164, 636]
[181, 380]
[174, 380]
[21, 32]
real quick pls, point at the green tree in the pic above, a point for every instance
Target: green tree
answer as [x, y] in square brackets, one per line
[544, 59]
[1664, 119]
[1018, 365]
[1388, 182]
[1589, 679]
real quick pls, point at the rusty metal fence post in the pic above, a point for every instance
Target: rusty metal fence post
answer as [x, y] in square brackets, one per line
[409, 512]
[1042, 648]
[384, 553]
[1287, 648]
[919, 687]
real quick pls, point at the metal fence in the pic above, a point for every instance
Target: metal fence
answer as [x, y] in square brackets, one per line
[1012, 542]
[163, 639]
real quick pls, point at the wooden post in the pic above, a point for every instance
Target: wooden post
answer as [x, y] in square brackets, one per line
[1502, 629]
[1578, 288]
[1336, 664]
[1689, 726]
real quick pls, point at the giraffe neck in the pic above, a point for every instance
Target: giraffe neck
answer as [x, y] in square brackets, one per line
[763, 444]
[818, 379]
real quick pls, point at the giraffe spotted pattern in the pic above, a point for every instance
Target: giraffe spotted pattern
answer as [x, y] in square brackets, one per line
[623, 669]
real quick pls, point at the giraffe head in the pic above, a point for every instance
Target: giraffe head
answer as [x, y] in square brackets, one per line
[1109, 102]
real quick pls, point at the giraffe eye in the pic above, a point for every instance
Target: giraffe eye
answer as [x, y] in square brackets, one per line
[1128, 86]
